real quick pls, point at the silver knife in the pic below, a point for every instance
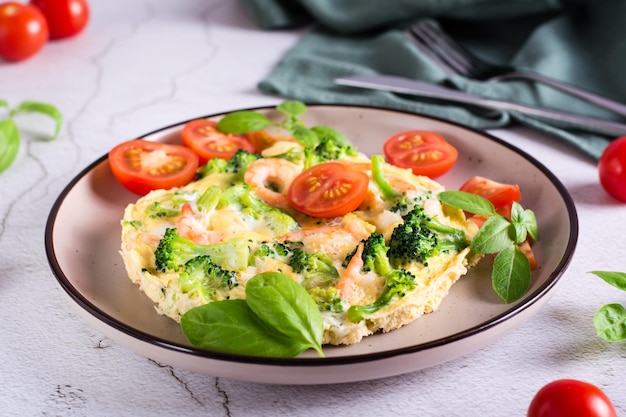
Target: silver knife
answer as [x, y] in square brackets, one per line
[423, 89]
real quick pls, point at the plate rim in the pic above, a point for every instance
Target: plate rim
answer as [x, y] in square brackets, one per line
[135, 333]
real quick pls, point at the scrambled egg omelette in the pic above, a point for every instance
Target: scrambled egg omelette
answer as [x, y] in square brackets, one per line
[239, 215]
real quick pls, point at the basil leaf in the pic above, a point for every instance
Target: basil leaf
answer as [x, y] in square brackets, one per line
[510, 277]
[616, 279]
[495, 235]
[287, 307]
[304, 135]
[292, 108]
[244, 121]
[230, 326]
[525, 222]
[610, 322]
[9, 143]
[43, 108]
[330, 133]
[467, 202]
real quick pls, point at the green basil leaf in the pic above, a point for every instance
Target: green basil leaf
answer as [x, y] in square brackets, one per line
[9, 143]
[43, 108]
[525, 222]
[330, 133]
[304, 135]
[610, 322]
[496, 234]
[616, 279]
[292, 108]
[287, 307]
[467, 202]
[244, 121]
[230, 326]
[510, 277]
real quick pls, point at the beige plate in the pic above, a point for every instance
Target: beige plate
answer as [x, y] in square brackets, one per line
[83, 238]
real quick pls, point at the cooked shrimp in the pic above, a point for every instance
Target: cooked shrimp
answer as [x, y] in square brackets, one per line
[190, 227]
[357, 287]
[332, 240]
[270, 178]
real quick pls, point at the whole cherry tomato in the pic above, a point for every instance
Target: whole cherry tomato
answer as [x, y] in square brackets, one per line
[570, 397]
[65, 17]
[23, 31]
[612, 169]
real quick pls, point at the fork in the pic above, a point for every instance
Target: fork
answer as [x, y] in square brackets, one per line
[456, 60]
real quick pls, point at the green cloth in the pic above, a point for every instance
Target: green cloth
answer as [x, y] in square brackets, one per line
[581, 42]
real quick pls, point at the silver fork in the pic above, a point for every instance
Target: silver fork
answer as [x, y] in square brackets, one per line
[454, 59]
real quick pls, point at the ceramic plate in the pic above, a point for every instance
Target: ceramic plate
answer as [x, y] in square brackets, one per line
[83, 239]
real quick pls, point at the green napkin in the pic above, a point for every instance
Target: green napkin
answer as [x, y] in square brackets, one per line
[581, 42]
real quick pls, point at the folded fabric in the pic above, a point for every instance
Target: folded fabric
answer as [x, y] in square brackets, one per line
[581, 42]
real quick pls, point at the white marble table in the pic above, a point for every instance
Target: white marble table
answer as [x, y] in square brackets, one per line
[145, 64]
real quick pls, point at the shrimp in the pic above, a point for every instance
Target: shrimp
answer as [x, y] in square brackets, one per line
[190, 227]
[270, 179]
[357, 287]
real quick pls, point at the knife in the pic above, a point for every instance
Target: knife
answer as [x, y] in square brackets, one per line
[423, 89]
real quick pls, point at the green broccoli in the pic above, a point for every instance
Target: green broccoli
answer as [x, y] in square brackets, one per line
[397, 283]
[419, 237]
[274, 250]
[317, 269]
[374, 255]
[205, 278]
[403, 204]
[327, 150]
[237, 165]
[170, 204]
[327, 299]
[174, 251]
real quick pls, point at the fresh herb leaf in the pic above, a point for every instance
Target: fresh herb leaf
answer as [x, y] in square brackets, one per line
[616, 279]
[43, 108]
[9, 143]
[287, 307]
[494, 236]
[244, 121]
[511, 274]
[304, 135]
[293, 108]
[4, 103]
[525, 223]
[330, 133]
[230, 326]
[467, 202]
[610, 322]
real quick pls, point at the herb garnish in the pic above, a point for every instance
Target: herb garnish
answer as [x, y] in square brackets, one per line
[510, 276]
[610, 319]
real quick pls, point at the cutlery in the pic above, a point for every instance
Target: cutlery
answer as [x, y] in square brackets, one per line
[455, 59]
[423, 89]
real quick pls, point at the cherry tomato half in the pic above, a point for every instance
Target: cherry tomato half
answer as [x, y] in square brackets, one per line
[142, 166]
[326, 190]
[23, 31]
[65, 17]
[202, 137]
[612, 169]
[570, 397]
[424, 152]
[500, 194]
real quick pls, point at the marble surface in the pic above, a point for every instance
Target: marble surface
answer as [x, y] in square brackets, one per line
[145, 64]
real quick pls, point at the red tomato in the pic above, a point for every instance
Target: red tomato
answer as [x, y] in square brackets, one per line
[65, 17]
[326, 190]
[568, 398]
[500, 194]
[612, 169]
[23, 31]
[425, 153]
[262, 139]
[142, 166]
[202, 137]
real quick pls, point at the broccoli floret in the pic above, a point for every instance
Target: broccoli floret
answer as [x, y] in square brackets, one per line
[237, 165]
[274, 250]
[316, 268]
[327, 299]
[205, 278]
[327, 150]
[170, 204]
[419, 237]
[174, 251]
[397, 283]
[374, 255]
[403, 204]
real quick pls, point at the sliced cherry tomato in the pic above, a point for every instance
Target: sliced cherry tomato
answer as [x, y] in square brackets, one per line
[570, 397]
[530, 254]
[612, 169]
[500, 194]
[262, 139]
[424, 152]
[142, 166]
[326, 190]
[207, 142]
[23, 31]
[65, 17]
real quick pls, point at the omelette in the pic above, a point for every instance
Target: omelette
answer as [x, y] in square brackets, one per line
[238, 214]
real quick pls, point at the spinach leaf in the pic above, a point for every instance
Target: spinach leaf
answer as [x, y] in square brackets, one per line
[610, 322]
[244, 121]
[616, 279]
